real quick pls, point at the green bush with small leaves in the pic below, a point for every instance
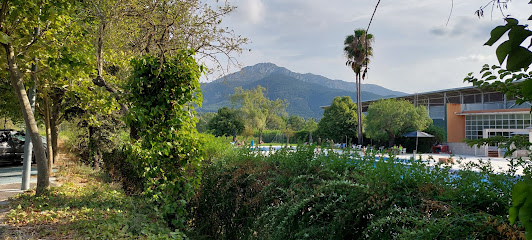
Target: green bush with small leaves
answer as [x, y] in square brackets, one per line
[303, 194]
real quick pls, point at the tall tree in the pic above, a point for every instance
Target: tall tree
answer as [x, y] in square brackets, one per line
[339, 120]
[296, 123]
[227, 122]
[256, 109]
[18, 19]
[357, 48]
[389, 118]
[161, 28]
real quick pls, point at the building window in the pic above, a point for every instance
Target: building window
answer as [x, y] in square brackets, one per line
[475, 124]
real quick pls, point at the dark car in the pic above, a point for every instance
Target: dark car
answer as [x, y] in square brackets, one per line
[12, 146]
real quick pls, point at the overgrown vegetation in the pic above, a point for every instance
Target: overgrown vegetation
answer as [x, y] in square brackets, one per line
[85, 206]
[297, 195]
[167, 156]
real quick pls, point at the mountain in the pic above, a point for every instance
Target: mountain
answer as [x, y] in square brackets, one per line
[306, 93]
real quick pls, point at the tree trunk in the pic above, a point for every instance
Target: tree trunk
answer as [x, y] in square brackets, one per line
[57, 99]
[359, 111]
[43, 177]
[391, 140]
[47, 120]
[260, 135]
[54, 126]
[94, 153]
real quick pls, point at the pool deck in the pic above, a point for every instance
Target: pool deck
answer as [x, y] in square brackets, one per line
[499, 165]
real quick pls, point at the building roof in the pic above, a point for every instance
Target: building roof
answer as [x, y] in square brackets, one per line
[453, 95]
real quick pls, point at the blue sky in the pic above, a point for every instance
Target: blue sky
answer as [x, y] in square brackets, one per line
[414, 49]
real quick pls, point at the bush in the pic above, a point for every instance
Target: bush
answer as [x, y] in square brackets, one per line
[216, 147]
[301, 195]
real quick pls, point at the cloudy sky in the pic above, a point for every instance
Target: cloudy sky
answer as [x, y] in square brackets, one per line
[414, 49]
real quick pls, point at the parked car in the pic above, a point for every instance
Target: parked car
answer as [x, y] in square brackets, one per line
[12, 146]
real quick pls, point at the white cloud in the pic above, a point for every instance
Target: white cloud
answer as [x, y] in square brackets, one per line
[477, 58]
[253, 10]
[414, 50]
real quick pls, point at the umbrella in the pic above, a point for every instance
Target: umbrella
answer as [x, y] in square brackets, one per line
[417, 134]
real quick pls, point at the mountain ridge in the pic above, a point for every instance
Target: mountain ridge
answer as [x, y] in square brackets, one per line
[306, 93]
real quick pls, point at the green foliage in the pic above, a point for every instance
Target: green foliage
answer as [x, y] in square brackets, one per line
[522, 205]
[168, 155]
[269, 136]
[304, 195]
[295, 123]
[227, 122]
[257, 110]
[339, 120]
[357, 48]
[203, 121]
[216, 147]
[310, 125]
[516, 56]
[516, 84]
[389, 118]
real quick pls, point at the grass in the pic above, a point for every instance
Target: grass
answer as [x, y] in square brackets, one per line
[85, 206]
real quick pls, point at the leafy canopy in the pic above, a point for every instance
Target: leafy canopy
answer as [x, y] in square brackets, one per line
[357, 48]
[226, 122]
[339, 119]
[256, 109]
[388, 118]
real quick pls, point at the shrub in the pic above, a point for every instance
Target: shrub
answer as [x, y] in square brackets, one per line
[216, 147]
[304, 195]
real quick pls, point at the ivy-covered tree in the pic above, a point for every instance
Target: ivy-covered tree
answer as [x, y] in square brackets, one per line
[162, 93]
[339, 120]
[389, 118]
[227, 122]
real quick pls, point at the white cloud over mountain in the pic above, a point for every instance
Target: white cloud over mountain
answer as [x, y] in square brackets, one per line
[415, 50]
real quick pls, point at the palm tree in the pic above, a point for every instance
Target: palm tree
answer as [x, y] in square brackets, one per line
[357, 49]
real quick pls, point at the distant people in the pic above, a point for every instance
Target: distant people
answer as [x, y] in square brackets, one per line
[400, 148]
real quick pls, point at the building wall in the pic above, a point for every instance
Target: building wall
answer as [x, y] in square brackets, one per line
[460, 148]
[455, 123]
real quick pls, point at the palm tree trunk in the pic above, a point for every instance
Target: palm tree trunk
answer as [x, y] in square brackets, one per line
[43, 176]
[359, 111]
